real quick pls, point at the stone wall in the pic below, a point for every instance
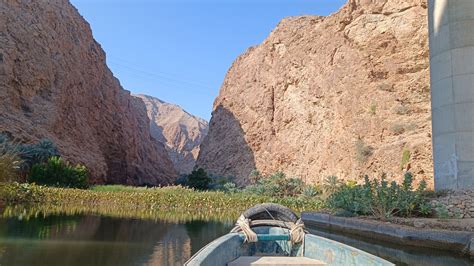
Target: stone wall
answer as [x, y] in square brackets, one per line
[455, 204]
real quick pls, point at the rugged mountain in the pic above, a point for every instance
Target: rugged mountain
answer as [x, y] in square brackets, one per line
[181, 132]
[346, 95]
[54, 83]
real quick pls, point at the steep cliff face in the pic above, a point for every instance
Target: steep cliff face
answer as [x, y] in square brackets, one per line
[343, 95]
[55, 84]
[181, 132]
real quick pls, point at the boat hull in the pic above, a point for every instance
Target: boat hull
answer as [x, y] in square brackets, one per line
[231, 246]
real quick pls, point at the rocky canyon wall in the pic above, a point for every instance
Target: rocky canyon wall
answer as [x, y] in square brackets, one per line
[54, 83]
[346, 95]
[181, 132]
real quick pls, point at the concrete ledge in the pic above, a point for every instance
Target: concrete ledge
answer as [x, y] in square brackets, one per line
[461, 242]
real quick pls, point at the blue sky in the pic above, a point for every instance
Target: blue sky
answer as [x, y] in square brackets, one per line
[180, 51]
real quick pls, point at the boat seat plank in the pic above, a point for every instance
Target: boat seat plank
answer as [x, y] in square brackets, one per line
[277, 261]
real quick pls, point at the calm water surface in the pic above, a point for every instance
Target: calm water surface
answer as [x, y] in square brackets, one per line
[95, 240]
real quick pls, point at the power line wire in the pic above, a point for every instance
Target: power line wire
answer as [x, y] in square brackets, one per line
[179, 88]
[163, 75]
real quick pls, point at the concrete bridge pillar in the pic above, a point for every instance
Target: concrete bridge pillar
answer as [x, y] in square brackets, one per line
[451, 33]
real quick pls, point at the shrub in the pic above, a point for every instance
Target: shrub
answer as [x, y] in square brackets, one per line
[363, 151]
[32, 154]
[441, 211]
[277, 185]
[254, 177]
[14, 193]
[381, 199]
[56, 172]
[385, 87]
[118, 188]
[401, 128]
[230, 187]
[373, 108]
[401, 110]
[198, 179]
[398, 129]
[331, 184]
[310, 192]
[405, 158]
[10, 163]
[351, 183]
[410, 126]
[182, 180]
[218, 182]
[28, 154]
[354, 200]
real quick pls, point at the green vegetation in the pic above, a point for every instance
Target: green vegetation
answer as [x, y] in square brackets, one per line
[9, 165]
[405, 157]
[331, 185]
[198, 179]
[385, 87]
[230, 187]
[199, 194]
[374, 197]
[373, 108]
[58, 173]
[401, 110]
[10, 161]
[275, 185]
[32, 154]
[143, 202]
[16, 193]
[28, 154]
[380, 199]
[411, 127]
[400, 128]
[441, 211]
[311, 191]
[219, 182]
[117, 188]
[39, 163]
[363, 151]
[119, 200]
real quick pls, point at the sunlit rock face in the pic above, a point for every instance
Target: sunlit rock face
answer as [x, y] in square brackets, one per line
[54, 84]
[181, 132]
[343, 95]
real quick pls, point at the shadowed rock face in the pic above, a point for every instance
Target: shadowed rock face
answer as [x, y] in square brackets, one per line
[316, 85]
[54, 84]
[236, 158]
[181, 132]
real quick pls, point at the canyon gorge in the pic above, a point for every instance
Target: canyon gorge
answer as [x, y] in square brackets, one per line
[345, 95]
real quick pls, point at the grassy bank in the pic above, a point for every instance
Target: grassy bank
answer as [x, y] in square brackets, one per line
[151, 203]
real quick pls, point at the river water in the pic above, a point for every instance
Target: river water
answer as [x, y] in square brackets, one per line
[97, 240]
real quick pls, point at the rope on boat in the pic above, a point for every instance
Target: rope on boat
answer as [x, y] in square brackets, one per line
[244, 224]
[297, 232]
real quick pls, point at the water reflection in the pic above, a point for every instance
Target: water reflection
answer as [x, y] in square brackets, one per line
[94, 240]
[176, 216]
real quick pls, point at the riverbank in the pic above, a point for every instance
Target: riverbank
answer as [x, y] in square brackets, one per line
[458, 241]
[138, 202]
